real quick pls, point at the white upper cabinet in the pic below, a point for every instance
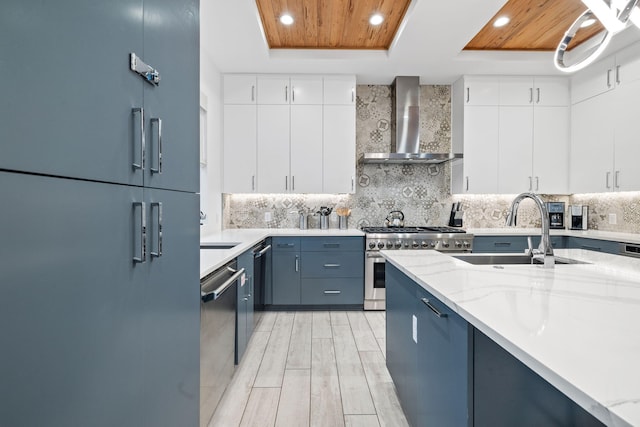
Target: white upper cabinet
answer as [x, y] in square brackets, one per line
[273, 89]
[240, 149]
[239, 89]
[534, 91]
[306, 90]
[339, 154]
[273, 149]
[306, 148]
[479, 90]
[339, 90]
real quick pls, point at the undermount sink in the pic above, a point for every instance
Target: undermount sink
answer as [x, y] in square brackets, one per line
[504, 259]
[220, 245]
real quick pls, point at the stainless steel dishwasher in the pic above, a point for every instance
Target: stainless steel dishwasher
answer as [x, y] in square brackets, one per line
[217, 335]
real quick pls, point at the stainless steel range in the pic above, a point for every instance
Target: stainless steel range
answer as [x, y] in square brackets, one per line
[443, 239]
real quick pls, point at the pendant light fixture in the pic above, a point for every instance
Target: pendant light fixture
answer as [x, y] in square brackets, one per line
[614, 15]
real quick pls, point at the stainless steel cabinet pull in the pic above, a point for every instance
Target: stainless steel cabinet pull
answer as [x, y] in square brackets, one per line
[293, 183]
[263, 251]
[616, 179]
[297, 264]
[158, 123]
[332, 292]
[142, 142]
[432, 308]
[530, 183]
[253, 92]
[537, 183]
[618, 74]
[158, 206]
[331, 245]
[538, 98]
[608, 78]
[332, 266]
[253, 182]
[222, 288]
[286, 90]
[608, 175]
[468, 95]
[353, 184]
[286, 183]
[498, 244]
[467, 179]
[293, 94]
[143, 234]
[285, 245]
[353, 94]
[530, 95]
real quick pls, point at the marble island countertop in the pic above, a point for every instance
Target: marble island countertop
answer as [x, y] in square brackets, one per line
[577, 326]
[589, 234]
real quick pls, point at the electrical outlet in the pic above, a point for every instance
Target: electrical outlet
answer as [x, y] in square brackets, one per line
[267, 216]
[613, 219]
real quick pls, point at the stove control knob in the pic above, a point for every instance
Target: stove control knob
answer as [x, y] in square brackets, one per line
[458, 244]
[424, 244]
[406, 244]
[445, 244]
[372, 245]
[467, 245]
[389, 245]
[398, 244]
[433, 243]
[380, 245]
[414, 244]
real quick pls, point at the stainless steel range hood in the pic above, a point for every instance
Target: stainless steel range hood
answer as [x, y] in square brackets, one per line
[405, 128]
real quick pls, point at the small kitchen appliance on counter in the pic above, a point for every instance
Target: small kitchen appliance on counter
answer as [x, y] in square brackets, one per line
[455, 218]
[556, 215]
[579, 215]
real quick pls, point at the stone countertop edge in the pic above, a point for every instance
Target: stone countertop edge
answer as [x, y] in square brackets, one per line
[246, 238]
[590, 356]
[589, 234]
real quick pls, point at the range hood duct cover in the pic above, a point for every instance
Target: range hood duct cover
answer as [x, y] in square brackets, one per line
[405, 127]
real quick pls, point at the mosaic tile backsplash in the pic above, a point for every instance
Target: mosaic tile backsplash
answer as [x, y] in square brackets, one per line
[422, 192]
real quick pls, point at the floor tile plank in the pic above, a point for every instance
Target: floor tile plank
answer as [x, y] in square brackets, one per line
[339, 318]
[321, 325]
[295, 398]
[273, 364]
[261, 408]
[266, 322]
[362, 333]
[326, 404]
[299, 354]
[377, 323]
[361, 421]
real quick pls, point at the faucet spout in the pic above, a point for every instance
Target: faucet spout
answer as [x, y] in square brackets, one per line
[545, 250]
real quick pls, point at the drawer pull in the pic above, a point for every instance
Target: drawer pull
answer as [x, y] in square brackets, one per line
[502, 244]
[285, 245]
[332, 266]
[432, 308]
[332, 292]
[332, 245]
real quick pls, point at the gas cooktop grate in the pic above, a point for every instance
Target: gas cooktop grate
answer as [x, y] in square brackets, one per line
[429, 229]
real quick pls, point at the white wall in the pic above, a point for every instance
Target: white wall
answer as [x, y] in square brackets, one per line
[211, 95]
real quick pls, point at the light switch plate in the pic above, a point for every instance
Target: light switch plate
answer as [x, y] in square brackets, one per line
[613, 219]
[267, 216]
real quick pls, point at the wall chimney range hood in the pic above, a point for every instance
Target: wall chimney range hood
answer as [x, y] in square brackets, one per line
[405, 128]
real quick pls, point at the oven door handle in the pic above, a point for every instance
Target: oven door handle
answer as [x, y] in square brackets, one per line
[375, 255]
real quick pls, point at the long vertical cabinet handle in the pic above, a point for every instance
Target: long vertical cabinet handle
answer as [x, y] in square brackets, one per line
[286, 183]
[608, 176]
[286, 92]
[158, 123]
[253, 93]
[353, 184]
[609, 78]
[353, 95]
[537, 183]
[617, 74]
[293, 183]
[467, 186]
[158, 252]
[253, 183]
[538, 96]
[143, 233]
[140, 111]
[297, 263]
[468, 95]
[530, 183]
[616, 179]
[293, 94]
[530, 95]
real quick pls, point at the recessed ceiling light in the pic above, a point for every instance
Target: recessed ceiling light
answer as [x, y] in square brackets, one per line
[588, 23]
[501, 21]
[376, 19]
[286, 19]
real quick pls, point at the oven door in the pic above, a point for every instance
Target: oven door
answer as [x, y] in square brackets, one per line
[374, 287]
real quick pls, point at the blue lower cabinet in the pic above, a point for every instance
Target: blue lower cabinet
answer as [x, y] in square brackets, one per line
[593, 245]
[342, 290]
[285, 278]
[245, 300]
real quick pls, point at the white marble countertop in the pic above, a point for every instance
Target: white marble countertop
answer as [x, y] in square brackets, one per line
[577, 326]
[589, 234]
[244, 239]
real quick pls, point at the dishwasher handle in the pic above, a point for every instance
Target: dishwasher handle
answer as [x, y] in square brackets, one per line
[216, 293]
[262, 252]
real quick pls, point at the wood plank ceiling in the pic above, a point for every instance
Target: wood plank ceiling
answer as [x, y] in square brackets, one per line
[331, 24]
[535, 25]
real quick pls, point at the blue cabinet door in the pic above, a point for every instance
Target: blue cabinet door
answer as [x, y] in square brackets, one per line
[244, 312]
[171, 309]
[402, 351]
[73, 303]
[444, 364]
[171, 45]
[285, 278]
[67, 91]
[593, 245]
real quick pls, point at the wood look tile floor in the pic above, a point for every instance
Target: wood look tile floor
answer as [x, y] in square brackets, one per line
[306, 369]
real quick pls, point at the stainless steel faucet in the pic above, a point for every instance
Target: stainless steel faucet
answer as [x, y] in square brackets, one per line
[545, 250]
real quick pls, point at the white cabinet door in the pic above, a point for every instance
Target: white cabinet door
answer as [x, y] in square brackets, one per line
[628, 65]
[306, 90]
[306, 148]
[515, 150]
[239, 89]
[627, 138]
[273, 149]
[273, 89]
[551, 150]
[593, 80]
[481, 91]
[339, 152]
[516, 90]
[480, 149]
[551, 91]
[239, 149]
[340, 90]
[591, 159]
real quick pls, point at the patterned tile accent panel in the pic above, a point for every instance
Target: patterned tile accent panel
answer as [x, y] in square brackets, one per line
[422, 192]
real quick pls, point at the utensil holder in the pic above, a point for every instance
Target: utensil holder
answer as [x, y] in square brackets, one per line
[303, 222]
[343, 222]
[324, 222]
